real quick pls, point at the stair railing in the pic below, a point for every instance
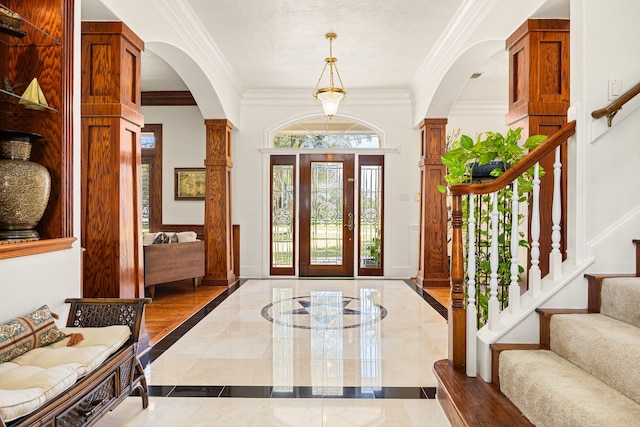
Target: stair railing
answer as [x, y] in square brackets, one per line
[462, 314]
[613, 108]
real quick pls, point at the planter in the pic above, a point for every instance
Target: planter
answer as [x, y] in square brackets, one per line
[24, 187]
[484, 171]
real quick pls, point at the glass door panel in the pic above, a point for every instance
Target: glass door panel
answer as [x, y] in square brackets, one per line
[282, 214]
[326, 215]
[370, 215]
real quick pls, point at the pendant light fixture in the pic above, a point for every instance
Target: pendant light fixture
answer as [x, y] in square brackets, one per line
[331, 96]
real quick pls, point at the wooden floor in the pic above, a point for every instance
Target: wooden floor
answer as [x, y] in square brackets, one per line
[442, 295]
[471, 402]
[174, 303]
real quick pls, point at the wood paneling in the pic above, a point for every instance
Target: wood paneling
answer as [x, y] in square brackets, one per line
[539, 69]
[538, 102]
[111, 122]
[171, 98]
[37, 56]
[433, 262]
[217, 210]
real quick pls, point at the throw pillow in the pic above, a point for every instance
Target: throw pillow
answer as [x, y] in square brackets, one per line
[161, 238]
[187, 236]
[19, 335]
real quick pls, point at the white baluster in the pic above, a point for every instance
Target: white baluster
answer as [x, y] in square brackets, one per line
[514, 287]
[555, 257]
[472, 312]
[534, 271]
[494, 304]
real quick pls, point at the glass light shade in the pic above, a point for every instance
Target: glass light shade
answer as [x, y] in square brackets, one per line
[330, 101]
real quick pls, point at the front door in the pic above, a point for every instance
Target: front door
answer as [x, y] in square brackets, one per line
[326, 215]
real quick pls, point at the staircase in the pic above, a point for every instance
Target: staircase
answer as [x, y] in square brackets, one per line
[590, 373]
[584, 370]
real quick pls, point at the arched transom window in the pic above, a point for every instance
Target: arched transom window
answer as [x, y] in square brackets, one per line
[324, 133]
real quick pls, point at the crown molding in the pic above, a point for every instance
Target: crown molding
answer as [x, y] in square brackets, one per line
[468, 17]
[184, 19]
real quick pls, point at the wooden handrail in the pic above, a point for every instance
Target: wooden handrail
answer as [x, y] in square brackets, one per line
[519, 168]
[457, 310]
[616, 105]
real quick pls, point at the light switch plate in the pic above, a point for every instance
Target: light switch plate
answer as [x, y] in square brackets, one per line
[615, 89]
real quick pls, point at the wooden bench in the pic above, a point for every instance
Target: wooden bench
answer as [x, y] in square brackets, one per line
[101, 390]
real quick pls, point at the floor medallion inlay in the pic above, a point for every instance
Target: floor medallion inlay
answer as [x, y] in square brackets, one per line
[325, 310]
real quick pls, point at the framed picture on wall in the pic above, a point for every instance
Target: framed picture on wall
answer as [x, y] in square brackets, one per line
[190, 183]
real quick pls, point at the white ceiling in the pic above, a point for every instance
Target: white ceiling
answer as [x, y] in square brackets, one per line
[281, 44]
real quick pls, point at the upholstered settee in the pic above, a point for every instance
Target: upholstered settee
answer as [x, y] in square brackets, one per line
[171, 257]
[70, 376]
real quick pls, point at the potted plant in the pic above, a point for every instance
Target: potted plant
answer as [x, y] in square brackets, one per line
[495, 152]
[490, 148]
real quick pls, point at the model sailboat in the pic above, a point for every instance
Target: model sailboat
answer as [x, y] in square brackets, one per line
[33, 98]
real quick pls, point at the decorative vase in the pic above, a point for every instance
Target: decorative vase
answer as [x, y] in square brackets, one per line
[24, 187]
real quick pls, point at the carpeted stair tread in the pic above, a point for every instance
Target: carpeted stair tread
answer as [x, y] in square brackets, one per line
[620, 299]
[604, 347]
[550, 391]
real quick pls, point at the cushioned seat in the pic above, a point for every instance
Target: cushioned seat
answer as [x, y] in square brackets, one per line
[24, 388]
[29, 380]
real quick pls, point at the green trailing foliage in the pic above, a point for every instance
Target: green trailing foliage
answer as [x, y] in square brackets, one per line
[462, 155]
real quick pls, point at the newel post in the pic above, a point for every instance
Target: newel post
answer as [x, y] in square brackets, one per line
[457, 314]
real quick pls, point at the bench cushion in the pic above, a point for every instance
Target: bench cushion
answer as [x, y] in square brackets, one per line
[21, 334]
[29, 380]
[25, 388]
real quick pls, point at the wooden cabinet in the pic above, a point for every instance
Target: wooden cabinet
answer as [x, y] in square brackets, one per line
[45, 53]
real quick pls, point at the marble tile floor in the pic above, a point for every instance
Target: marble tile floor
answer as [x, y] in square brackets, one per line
[293, 352]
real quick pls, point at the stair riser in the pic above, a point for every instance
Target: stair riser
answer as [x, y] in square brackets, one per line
[621, 299]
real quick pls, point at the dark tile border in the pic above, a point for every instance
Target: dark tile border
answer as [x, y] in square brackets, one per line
[164, 344]
[441, 309]
[297, 392]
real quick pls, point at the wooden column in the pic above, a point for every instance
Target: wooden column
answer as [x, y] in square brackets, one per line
[111, 121]
[218, 229]
[433, 263]
[538, 102]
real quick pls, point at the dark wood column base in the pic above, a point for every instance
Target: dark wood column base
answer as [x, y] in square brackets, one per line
[219, 281]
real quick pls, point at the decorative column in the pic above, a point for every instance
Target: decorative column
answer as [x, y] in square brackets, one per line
[110, 199]
[433, 262]
[218, 229]
[538, 102]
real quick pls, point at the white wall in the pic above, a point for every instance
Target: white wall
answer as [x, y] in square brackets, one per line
[250, 205]
[473, 118]
[603, 41]
[183, 146]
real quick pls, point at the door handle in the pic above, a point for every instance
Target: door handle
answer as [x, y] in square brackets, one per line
[349, 223]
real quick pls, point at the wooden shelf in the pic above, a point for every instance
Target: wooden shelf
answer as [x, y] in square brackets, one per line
[45, 52]
[29, 34]
[14, 99]
[18, 249]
